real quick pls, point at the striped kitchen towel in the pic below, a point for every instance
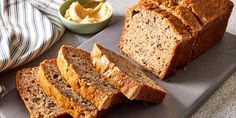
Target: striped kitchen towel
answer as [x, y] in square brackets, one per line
[27, 29]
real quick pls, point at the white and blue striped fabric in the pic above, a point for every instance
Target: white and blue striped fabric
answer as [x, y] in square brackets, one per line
[27, 29]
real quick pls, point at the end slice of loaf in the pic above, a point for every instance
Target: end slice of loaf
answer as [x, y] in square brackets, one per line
[37, 102]
[55, 86]
[125, 76]
[77, 68]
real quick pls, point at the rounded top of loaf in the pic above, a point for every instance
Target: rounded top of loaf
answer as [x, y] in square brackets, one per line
[204, 10]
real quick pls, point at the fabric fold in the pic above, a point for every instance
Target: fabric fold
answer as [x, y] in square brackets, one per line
[27, 29]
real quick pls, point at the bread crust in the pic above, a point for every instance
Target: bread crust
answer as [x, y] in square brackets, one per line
[182, 13]
[130, 87]
[207, 10]
[210, 34]
[101, 99]
[22, 92]
[70, 106]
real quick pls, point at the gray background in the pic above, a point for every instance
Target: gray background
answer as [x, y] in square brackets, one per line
[221, 104]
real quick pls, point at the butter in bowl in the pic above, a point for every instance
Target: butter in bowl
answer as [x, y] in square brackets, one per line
[85, 16]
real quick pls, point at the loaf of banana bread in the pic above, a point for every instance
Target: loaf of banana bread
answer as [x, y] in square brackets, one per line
[164, 35]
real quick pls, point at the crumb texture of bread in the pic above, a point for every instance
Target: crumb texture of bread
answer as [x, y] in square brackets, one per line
[37, 102]
[125, 76]
[151, 36]
[56, 86]
[164, 35]
[187, 17]
[77, 69]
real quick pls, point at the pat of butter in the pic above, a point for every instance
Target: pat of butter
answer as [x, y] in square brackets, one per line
[82, 15]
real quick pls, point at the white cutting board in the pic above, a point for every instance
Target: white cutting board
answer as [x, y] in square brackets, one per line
[187, 90]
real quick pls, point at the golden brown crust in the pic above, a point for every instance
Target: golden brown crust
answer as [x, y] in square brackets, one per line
[127, 84]
[73, 108]
[180, 28]
[210, 34]
[189, 51]
[97, 96]
[22, 91]
[204, 10]
[182, 13]
[207, 10]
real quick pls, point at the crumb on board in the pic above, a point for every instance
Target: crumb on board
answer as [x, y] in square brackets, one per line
[185, 68]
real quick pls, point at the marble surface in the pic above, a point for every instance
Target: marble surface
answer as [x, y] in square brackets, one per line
[222, 104]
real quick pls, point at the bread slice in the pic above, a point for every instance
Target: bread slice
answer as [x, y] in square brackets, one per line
[125, 76]
[37, 102]
[55, 86]
[76, 67]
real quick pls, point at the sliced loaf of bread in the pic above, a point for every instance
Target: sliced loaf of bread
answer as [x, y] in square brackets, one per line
[37, 102]
[164, 35]
[55, 86]
[125, 76]
[77, 69]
